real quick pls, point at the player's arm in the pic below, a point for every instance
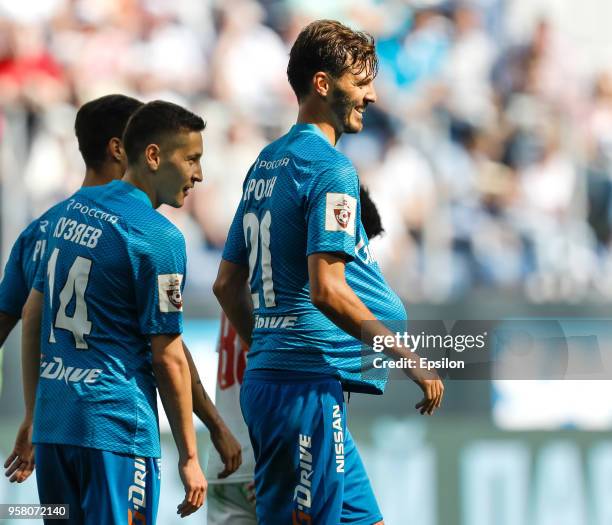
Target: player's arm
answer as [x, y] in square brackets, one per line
[234, 295]
[30, 348]
[173, 381]
[223, 440]
[13, 290]
[7, 323]
[20, 463]
[332, 295]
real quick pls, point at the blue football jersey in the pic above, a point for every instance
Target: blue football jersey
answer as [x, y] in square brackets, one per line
[300, 197]
[23, 263]
[113, 275]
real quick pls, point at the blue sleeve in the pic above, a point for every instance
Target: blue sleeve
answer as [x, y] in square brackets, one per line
[332, 211]
[13, 288]
[235, 249]
[41, 273]
[158, 264]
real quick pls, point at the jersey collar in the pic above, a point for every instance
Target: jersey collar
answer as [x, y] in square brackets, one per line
[313, 128]
[133, 191]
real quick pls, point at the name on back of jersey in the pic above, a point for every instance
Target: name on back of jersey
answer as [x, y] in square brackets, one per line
[259, 189]
[77, 232]
[262, 188]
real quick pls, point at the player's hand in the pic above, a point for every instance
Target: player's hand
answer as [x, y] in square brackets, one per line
[20, 464]
[229, 449]
[195, 487]
[432, 387]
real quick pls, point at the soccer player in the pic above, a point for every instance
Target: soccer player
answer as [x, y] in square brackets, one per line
[98, 127]
[231, 501]
[297, 281]
[111, 317]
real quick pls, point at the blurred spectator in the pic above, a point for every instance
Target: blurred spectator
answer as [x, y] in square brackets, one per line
[490, 162]
[466, 71]
[249, 63]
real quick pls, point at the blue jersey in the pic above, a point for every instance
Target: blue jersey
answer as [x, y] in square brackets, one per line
[302, 197]
[113, 276]
[22, 264]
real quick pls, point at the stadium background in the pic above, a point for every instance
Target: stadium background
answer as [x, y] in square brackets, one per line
[489, 154]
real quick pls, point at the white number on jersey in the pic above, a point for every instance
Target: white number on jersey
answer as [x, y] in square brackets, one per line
[257, 233]
[75, 285]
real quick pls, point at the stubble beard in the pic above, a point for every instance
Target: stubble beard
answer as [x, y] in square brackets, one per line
[342, 106]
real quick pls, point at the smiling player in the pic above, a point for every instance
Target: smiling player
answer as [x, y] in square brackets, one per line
[231, 499]
[297, 281]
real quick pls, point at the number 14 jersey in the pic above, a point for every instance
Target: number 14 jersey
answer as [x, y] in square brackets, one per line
[113, 275]
[302, 197]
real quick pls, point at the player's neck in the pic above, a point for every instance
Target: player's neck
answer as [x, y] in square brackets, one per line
[141, 182]
[102, 175]
[311, 115]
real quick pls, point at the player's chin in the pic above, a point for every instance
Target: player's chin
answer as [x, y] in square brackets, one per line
[177, 201]
[353, 126]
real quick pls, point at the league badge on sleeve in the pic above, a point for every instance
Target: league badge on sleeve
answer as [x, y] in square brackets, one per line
[169, 287]
[340, 211]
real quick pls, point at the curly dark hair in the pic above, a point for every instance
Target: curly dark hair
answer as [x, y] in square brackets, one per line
[332, 47]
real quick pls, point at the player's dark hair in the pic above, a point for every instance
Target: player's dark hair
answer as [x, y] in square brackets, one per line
[100, 120]
[331, 47]
[370, 217]
[155, 122]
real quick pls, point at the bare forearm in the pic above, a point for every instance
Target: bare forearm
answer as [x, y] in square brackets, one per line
[173, 381]
[7, 323]
[203, 407]
[30, 350]
[234, 295]
[238, 306]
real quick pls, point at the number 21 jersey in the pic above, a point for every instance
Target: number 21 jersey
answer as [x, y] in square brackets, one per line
[302, 197]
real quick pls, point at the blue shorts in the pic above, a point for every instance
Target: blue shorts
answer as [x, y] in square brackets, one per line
[307, 468]
[100, 486]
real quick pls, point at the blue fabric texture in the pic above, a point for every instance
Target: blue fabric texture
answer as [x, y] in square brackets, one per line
[23, 263]
[307, 468]
[100, 486]
[113, 276]
[301, 197]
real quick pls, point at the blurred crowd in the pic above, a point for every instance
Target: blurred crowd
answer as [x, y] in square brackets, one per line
[490, 157]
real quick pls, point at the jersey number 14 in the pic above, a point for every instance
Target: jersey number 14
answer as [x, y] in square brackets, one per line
[75, 286]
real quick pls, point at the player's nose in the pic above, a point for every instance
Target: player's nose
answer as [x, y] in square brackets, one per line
[198, 176]
[370, 95]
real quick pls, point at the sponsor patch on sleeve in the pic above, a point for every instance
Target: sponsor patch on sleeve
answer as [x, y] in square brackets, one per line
[169, 287]
[340, 211]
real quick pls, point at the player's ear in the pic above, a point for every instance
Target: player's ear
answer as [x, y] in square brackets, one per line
[321, 83]
[152, 157]
[115, 149]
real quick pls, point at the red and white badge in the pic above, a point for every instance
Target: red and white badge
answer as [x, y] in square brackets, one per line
[169, 287]
[340, 211]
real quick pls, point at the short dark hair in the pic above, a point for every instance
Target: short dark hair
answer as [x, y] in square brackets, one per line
[329, 46]
[100, 120]
[370, 218]
[153, 123]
